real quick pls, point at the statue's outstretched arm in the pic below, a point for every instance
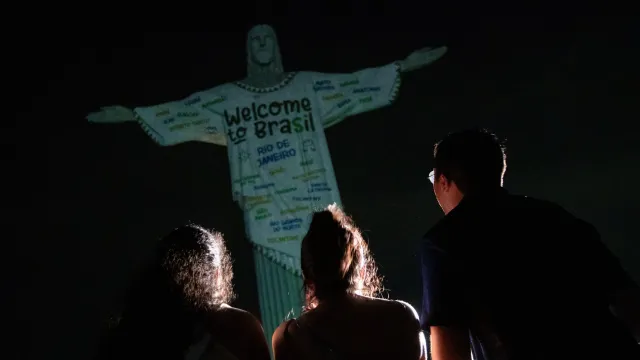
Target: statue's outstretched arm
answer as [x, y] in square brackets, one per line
[344, 95]
[173, 122]
[421, 58]
[112, 114]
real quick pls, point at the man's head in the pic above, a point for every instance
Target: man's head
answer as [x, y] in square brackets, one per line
[467, 162]
[262, 50]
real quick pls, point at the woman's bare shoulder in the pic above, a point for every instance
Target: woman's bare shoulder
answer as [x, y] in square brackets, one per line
[409, 311]
[398, 312]
[241, 332]
[282, 349]
[234, 319]
[399, 306]
[233, 314]
[278, 334]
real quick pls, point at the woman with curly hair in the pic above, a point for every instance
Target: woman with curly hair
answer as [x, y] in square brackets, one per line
[179, 310]
[343, 318]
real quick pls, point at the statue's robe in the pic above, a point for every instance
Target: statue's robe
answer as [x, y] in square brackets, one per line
[279, 161]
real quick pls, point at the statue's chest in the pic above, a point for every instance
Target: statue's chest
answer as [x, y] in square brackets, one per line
[267, 83]
[262, 85]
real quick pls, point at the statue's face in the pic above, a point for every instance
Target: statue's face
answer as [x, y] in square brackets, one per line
[262, 44]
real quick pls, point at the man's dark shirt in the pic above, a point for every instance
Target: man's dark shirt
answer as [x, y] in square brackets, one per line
[528, 279]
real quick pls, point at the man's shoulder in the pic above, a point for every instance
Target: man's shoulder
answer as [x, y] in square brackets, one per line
[434, 234]
[507, 206]
[545, 212]
[531, 203]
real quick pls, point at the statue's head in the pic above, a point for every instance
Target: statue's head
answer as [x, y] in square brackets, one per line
[263, 50]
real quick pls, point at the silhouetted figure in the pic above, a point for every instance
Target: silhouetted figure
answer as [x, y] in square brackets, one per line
[342, 318]
[179, 308]
[511, 277]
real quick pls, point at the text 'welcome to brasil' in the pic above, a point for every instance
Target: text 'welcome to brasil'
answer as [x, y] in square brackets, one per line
[295, 116]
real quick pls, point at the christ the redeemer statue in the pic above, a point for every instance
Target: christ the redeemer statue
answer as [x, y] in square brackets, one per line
[272, 124]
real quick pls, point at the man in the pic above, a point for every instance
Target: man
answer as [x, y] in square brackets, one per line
[511, 277]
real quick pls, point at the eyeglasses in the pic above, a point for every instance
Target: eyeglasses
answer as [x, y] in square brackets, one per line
[432, 176]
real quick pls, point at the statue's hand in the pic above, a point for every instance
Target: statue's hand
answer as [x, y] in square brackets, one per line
[422, 57]
[112, 114]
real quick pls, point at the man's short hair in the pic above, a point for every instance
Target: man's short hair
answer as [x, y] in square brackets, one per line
[474, 159]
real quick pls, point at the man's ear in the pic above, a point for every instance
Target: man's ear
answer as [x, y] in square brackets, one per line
[446, 183]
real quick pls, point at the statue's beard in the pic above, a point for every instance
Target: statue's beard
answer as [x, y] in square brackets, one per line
[263, 58]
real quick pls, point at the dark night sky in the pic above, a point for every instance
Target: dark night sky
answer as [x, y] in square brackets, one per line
[96, 197]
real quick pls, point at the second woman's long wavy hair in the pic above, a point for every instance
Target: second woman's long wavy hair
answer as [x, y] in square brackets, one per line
[336, 259]
[189, 279]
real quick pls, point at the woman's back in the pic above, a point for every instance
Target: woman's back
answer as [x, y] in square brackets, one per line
[354, 327]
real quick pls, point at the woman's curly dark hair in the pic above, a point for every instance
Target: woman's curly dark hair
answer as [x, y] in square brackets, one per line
[189, 279]
[336, 259]
[197, 266]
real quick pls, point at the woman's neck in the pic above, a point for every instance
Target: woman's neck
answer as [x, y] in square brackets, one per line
[335, 300]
